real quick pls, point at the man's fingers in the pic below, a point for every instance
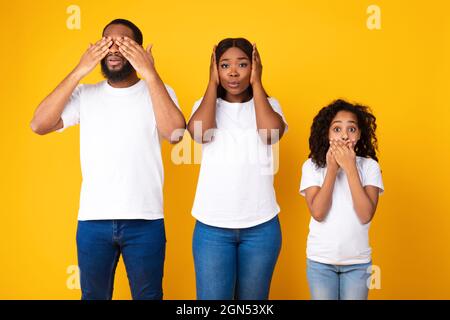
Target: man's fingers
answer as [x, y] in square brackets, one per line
[125, 53]
[103, 46]
[133, 44]
[131, 41]
[126, 46]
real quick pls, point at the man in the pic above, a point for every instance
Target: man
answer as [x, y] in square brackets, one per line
[122, 120]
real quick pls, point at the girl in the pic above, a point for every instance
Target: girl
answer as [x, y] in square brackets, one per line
[341, 181]
[237, 236]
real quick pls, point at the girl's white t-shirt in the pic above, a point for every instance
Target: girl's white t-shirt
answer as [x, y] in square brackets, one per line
[235, 184]
[340, 239]
[120, 151]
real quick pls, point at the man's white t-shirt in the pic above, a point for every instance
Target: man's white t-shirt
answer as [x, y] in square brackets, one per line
[340, 239]
[235, 185]
[120, 151]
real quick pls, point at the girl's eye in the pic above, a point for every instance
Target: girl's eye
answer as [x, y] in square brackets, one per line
[243, 65]
[224, 65]
[337, 129]
[352, 129]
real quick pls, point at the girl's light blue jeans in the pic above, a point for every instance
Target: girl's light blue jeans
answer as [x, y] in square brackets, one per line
[333, 282]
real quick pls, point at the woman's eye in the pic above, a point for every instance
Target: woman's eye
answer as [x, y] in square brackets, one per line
[352, 129]
[224, 65]
[337, 129]
[243, 65]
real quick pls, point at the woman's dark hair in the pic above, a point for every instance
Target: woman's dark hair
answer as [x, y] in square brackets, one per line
[226, 44]
[137, 34]
[319, 143]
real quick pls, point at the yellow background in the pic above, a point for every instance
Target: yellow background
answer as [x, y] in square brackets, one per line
[312, 52]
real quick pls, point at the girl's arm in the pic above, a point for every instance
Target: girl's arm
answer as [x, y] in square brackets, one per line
[267, 119]
[319, 199]
[205, 115]
[365, 199]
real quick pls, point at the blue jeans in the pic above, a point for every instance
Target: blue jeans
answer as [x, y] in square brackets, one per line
[142, 244]
[332, 282]
[235, 263]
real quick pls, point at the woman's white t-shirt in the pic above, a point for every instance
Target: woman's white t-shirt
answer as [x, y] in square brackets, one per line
[235, 185]
[340, 239]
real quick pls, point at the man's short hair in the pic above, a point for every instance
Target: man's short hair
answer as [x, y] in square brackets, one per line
[136, 31]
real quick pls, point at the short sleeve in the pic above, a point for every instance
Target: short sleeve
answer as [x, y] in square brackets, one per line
[277, 108]
[172, 95]
[372, 175]
[311, 177]
[71, 113]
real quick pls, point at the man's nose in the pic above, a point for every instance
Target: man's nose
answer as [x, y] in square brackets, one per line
[114, 47]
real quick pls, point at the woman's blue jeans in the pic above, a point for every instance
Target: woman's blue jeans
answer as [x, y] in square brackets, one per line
[235, 263]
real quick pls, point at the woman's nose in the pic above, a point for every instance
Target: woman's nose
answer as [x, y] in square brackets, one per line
[233, 72]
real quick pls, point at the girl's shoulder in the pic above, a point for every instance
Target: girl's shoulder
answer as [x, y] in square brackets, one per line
[367, 164]
[309, 165]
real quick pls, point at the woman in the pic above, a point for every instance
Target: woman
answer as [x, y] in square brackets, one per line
[237, 237]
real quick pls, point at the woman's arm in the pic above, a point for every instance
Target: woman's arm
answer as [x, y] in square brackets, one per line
[203, 121]
[270, 124]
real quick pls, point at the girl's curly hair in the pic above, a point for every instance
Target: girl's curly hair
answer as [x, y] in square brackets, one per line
[319, 143]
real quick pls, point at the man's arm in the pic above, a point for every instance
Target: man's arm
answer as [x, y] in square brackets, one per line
[47, 116]
[169, 119]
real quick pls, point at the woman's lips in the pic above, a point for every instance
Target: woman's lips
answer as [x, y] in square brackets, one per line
[233, 84]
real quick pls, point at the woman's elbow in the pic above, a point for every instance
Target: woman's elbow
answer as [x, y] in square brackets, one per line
[37, 127]
[318, 216]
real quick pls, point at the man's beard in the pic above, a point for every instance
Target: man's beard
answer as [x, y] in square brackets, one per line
[116, 75]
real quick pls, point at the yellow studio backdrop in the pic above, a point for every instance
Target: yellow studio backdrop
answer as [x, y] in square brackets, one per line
[312, 52]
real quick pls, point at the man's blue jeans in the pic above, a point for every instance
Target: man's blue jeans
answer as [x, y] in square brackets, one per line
[331, 282]
[235, 263]
[142, 244]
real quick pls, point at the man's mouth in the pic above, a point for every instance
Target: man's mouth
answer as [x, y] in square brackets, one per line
[114, 61]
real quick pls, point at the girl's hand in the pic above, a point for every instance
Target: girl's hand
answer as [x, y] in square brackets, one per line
[331, 161]
[256, 74]
[213, 72]
[141, 60]
[344, 154]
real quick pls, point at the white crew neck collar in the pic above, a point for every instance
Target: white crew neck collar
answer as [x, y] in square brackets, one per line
[234, 104]
[123, 91]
